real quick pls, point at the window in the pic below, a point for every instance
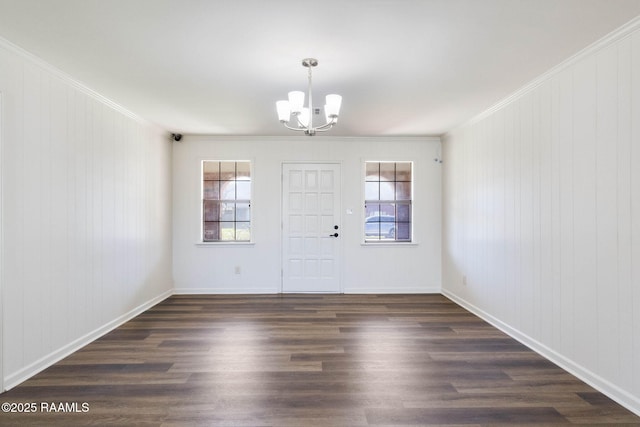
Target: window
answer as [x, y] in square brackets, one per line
[226, 201]
[387, 205]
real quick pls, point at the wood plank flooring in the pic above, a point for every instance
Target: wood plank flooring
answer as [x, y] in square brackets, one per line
[309, 360]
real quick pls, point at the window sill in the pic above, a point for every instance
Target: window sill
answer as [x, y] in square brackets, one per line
[217, 244]
[388, 244]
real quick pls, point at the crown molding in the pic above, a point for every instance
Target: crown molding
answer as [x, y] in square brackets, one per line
[67, 79]
[303, 139]
[616, 35]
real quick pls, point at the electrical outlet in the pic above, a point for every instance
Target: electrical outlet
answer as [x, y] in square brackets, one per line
[237, 269]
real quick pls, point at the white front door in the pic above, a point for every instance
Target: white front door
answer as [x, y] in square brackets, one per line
[311, 227]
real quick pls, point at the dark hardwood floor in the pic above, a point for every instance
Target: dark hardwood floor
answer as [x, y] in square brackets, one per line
[309, 360]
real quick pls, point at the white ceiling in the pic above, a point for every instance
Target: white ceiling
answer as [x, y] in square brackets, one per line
[403, 67]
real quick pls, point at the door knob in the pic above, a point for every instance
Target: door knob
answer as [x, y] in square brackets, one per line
[333, 235]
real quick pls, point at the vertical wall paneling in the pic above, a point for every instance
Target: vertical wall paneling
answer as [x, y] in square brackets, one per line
[44, 221]
[526, 289]
[635, 202]
[564, 186]
[554, 192]
[13, 203]
[86, 234]
[624, 324]
[30, 176]
[1, 264]
[58, 212]
[517, 216]
[606, 196]
[545, 287]
[536, 211]
[584, 224]
[509, 214]
[565, 144]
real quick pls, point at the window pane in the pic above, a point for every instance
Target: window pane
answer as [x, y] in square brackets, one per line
[243, 231]
[372, 231]
[243, 190]
[227, 190]
[243, 170]
[371, 190]
[211, 190]
[211, 231]
[227, 231]
[403, 213]
[243, 212]
[403, 171]
[227, 170]
[211, 210]
[403, 191]
[387, 191]
[372, 209]
[404, 231]
[227, 211]
[387, 171]
[372, 171]
[372, 222]
[210, 170]
[388, 210]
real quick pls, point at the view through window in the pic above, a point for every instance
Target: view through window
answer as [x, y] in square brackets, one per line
[388, 195]
[226, 201]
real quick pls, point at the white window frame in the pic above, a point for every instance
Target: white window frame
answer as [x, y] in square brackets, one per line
[387, 242]
[201, 241]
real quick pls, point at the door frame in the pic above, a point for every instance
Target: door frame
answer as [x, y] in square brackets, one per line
[340, 216]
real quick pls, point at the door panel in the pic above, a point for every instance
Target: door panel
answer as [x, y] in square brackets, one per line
[310, 212]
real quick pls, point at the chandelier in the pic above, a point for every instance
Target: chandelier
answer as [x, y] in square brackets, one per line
[303, 116]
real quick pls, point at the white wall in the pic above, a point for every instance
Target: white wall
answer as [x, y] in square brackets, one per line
[415, 268]
[542, 215]
[86, 202]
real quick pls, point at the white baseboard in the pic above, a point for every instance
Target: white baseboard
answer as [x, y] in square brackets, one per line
[348, 290]
[621, 396]
[390, 290]
[224, 291]
[57, 355]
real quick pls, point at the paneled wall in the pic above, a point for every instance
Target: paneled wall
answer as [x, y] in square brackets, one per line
[542, 215]
[365, 268]
[86, 223]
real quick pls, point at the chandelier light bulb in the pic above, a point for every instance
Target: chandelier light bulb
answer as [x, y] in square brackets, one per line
[332, 107]
[284, 111]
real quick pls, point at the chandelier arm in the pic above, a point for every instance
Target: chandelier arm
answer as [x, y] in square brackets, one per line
[292, 128]
[325, 127]
[301, 125]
